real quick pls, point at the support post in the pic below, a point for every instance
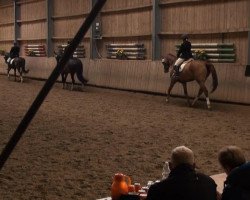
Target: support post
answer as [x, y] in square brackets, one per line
[16, 25]
[247, 72]
[156, 28]
[49, 31]
[93, 50]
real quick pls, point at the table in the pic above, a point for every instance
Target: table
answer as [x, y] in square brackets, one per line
[219, 180]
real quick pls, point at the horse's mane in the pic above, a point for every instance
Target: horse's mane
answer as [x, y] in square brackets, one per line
[172, 55]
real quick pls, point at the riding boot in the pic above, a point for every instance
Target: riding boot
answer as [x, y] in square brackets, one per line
[177, 72]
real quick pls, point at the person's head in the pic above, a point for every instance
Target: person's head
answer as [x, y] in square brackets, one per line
[181, 155]
[184, 37]
[231, 157]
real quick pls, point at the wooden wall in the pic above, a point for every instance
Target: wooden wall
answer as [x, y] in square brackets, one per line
[130, 21]
[127, 21]
[6, 25]
[206, 21]
[32, 22]
[68, 15]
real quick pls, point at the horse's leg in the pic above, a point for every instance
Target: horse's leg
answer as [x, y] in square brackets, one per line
[63, 80]
[203, 87]
[73, 80]
[15, 73]
[20, 74]
[197, 97]
[170, 88]
[186, 93]
[8, 73]
[21, 77]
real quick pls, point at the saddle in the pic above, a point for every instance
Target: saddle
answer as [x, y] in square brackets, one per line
[184, 64]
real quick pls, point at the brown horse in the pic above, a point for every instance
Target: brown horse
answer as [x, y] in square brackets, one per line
[17, 64]
[196, 70]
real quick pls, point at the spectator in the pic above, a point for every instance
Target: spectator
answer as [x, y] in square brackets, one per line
[14, 52]
[237, 184]
[183, 182]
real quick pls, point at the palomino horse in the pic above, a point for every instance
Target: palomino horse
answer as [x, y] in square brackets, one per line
[73, 66]
[17, 64]
[195, 70]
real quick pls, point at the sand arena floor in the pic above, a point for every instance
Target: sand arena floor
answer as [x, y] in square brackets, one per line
[79, 140]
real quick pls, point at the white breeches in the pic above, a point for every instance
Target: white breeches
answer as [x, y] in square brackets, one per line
[179, 61]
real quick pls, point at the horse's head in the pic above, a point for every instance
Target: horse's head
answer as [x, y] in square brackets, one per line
[168, 61]
[6, 56]
[166, 64]
[58, 55]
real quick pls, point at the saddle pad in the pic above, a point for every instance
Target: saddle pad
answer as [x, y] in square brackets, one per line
[10, 60]
[184, 63]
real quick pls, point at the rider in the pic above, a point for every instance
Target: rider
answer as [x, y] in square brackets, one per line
[14, 52]
[184, 53]
[68, 43]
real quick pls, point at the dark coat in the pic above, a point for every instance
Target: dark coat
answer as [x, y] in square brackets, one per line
[184, 183]
[14, 52]
[185, 50]
[237, 184]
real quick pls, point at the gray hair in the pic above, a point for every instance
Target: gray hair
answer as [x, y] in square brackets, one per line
[182, 155]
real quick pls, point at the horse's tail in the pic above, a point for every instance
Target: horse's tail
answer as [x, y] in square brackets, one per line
[23, 66]
[79, 75]
[211, 69]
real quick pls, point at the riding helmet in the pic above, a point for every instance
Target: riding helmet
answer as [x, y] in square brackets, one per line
[184, 36]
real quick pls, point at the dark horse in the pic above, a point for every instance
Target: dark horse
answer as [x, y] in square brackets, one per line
[17, 64]
[72, 67]
[197, 70]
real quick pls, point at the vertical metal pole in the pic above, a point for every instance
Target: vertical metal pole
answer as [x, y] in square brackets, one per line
[49, 33]
[156, 28]
[93, 50]
[16, 25]
[247, 72]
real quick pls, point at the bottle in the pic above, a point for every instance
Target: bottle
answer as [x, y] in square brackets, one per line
[165, 170]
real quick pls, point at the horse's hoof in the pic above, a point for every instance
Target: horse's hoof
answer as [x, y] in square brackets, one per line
[209, 107]
[167, 100]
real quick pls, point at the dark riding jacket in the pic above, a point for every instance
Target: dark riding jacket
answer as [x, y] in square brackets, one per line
[237, 184]
[184, 183]
[185, 50]
[14, 52]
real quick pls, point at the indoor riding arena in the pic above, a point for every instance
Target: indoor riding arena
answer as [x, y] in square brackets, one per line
[118, 121]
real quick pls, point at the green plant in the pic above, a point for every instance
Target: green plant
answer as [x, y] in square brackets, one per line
[120, 54]
[200, 55]
[31, 53]
[2, 52]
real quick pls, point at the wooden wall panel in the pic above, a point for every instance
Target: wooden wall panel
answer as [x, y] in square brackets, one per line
[6, 14]
[32, 10]
[6, 25]
[198, 17]
[148, 76]
[127, 24]
[67, 27]
[33, 30]
[69, 7]
[116, 4]
[6, 32]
